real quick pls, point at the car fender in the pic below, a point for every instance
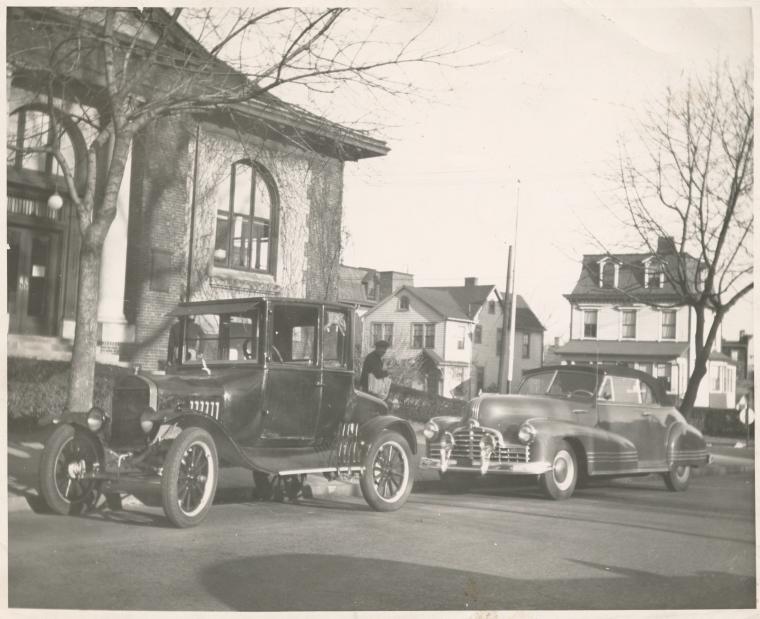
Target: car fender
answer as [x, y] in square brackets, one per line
[227, 449]
[686, 446]
[362, 407]
[597, 450]
[369, 430]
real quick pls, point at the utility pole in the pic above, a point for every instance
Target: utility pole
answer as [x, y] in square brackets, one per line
[505, 326]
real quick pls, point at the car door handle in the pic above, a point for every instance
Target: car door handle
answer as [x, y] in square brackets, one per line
[580, 411]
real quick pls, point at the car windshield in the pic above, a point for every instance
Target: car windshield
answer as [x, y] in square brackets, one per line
[221, 337]
[560, 383]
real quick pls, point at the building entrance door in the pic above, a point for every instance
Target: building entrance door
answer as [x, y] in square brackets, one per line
[32, 268]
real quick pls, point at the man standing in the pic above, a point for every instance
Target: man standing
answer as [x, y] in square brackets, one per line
[373, 364]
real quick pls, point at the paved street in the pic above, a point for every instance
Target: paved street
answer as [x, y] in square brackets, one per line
[625, 545]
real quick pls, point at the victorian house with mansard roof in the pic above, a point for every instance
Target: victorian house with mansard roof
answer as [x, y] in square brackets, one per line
[237, 202]
[624, 311]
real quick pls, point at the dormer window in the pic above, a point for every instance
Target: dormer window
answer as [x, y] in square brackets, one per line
[609, 271]
[654, 274]
[370, 291]
[403, 303]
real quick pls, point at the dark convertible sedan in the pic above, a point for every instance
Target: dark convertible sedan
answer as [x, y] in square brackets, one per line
[565, 425]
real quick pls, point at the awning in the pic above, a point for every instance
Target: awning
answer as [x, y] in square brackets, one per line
[662, 350]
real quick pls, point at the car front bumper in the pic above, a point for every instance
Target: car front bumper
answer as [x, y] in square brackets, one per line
[503, 468]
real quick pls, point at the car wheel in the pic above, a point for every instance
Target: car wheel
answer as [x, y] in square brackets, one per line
[69, 454]
[189, 478]
[113, 501]
[456, 482]
[387, 479]
[677, 478]
[559, 482]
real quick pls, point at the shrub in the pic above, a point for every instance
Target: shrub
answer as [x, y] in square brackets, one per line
[717, 421]
[37, 388]
[415, 405]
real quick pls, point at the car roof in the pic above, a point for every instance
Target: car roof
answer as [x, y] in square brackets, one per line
[604, 370]
[188, 308]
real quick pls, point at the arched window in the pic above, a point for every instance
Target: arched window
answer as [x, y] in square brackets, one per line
[608, 275]
[245, 223]
[30, 129]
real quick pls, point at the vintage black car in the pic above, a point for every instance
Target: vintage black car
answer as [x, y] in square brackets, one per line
[567, 424]
[262, 383]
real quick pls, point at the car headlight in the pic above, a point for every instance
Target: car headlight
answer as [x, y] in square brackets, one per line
[431, 430]
[526, 434]
[147, 419]
[95, 419]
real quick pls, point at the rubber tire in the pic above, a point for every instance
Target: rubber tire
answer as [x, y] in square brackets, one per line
[675, 482]
[48, 490]
[170, 475]
[548, 482]
[367, 482]
[456, 483]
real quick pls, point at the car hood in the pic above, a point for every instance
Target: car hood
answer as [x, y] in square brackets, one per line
[507, 412]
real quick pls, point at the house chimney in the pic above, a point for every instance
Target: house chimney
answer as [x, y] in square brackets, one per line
[666, 245]
[556, 341]
[469, 282]
[741, 334]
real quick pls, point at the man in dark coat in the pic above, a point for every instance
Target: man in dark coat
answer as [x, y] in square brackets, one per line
[373, 364]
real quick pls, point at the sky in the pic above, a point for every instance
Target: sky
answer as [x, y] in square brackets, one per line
[551, 92]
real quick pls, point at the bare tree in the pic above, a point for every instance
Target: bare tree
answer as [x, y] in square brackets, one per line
[695, 187]
[126, 68]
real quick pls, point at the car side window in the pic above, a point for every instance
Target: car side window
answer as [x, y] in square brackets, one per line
[605, 392]
[626, 390]
[647, 397]
[294, 335]
[335, 340]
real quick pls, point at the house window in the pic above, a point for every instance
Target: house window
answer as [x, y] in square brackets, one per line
[629, 324]
[526, 345]
[478, 337]
[244, 223]
[499, 332]
[403, 303]
[589, 323]
[715, 378]
[382, 331]
[669, 325]
[654, 276]
[460, 337]
[30, 128]
[370, 290]
[608, 275]
[423, 335]
[492, 307]
[664, 373]
[480, 374]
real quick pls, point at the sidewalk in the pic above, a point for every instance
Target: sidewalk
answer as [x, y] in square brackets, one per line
[24, 451]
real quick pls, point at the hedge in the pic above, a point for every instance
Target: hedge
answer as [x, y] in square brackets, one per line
[415, 405]
[717, 421]
[37, 388]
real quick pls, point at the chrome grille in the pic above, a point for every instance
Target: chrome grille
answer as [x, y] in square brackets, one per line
[467, 448]
[206, 406]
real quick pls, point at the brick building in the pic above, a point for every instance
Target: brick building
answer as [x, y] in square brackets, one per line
[247, 200]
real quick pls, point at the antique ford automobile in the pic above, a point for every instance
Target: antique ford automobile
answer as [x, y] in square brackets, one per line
[565, 425]
[265, 384]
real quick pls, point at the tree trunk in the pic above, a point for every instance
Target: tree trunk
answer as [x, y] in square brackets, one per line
[82, 378]
[692, 388]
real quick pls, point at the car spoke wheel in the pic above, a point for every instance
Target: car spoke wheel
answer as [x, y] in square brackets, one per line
[189, 477]
[386, 479]
[69, 456]
[678, 477]
[559, 483]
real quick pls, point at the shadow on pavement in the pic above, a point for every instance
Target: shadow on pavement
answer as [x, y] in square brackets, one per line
[323, 582]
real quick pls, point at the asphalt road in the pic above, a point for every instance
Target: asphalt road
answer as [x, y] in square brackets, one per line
[621, 545]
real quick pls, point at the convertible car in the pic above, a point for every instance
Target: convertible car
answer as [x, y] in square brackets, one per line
[567, 424]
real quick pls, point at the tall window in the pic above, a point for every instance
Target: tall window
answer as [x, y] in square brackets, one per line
[492, 307]
[629, 324]
[608, 275]
[244, 224]
[30, 128]
[382, 331]
[423, 335]
[403, 303]
[460, 337]
[478, 337]
[654, 275]
[526, 345]
[499, 333]
[669, 325]
[589, 323]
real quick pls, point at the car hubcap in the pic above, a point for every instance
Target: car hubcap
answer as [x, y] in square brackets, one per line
[194, 479]
[681, 472]
[390, 472]
[72, 463]
[563, 470]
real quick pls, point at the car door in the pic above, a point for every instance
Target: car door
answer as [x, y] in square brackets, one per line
[622, 411]
[337, 372]
[293, 385]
